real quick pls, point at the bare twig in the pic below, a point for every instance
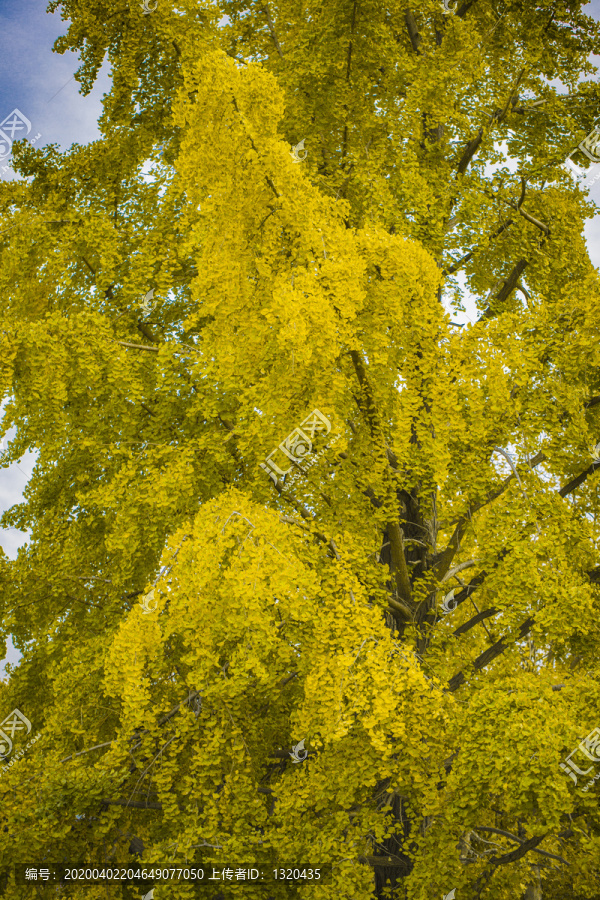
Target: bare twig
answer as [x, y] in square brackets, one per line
[265, 9]
[82, 752]
[137, 346]
[459, 568]
[136, 804]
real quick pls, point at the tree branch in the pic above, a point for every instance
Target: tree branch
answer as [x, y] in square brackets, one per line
[498, 116]
[459, 568]
[138, 734]
[401, 608]
[249, 136]
[525, 847]
[136, 804]
[535, 222]
[518, 840]
[137, 346]
[472, 252]
[513, 856]
[413, 31]
[507, 288]
[490, 654]
[444, 562]
[265, 9]
[361, 374]
[93, 271]
[469, 152]
[484, 614]
[147, 332]
[399, 562]
[349, 60]
[464, 8]
[82, 752]
[574, 484]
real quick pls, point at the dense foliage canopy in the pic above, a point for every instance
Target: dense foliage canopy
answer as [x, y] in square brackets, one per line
[419, 605]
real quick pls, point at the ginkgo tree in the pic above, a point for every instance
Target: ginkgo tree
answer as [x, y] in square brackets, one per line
[312, 571]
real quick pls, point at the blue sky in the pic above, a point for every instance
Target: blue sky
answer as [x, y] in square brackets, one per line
[39, 83]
